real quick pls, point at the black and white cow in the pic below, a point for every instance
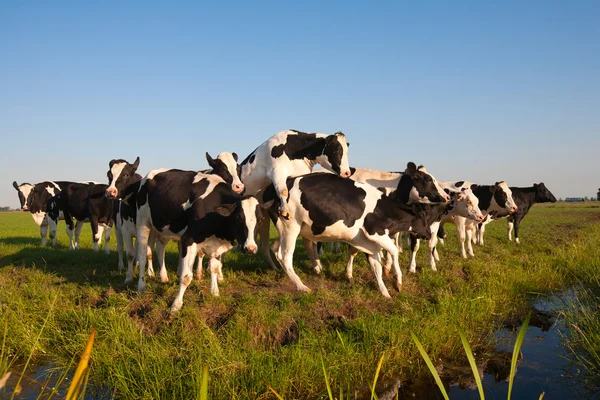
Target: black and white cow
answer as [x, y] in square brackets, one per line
[492, 198]
[524, 197]
[463, 203]
[124, 183]
[388, 183]
[84, 202]
[214, 234]
[167, 199]
[325, 207]
[287, 154]
[34, 198]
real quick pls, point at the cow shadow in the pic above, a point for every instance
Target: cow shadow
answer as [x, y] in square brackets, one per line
[21, 241]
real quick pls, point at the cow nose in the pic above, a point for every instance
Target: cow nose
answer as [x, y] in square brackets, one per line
[25, 208]
[251, 248]
[238, 188]
[514, 208]
[345, 174]
[111, 192]
[447, 198]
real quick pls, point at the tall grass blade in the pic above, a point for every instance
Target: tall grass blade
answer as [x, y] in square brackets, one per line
[83, 363]
[326, 378]
[542, 395]
[436, 376]
[273, 390]
[516, 350]
[469, 353]
[85, 383]
[373, 395]
[35, 343]
[204, 386]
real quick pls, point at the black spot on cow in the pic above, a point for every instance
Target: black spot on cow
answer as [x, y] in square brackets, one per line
[484, 193]
[500, 195]
[329, 198]
[334, 151]
[250, 158]
[299, 146]
[459, 183]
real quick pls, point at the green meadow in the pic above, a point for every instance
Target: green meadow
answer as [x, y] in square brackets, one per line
[261, 334]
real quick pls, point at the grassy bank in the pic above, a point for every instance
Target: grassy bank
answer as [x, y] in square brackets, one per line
[260, 330]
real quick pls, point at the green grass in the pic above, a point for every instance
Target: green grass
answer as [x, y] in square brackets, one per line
[260, 331]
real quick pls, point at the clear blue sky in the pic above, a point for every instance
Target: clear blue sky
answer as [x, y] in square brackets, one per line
[482, 92]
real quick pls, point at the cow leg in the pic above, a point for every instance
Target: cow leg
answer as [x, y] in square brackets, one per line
[143, 234]
[414, 248]
[107, 230]
[279, 177]
[389, 262]
[511, 223]
[215, 266]
[130, 253]
[159, 246]
[44, 232]
[374, 262]
[198, 273]
[480, 234]
[313, 254]
[517, 226]
[97, 231]
[120, 246]
[70, 227]
[459, 222]
[264, 228]
[352, 253]
[78, 227]
[398, 241]
[185, 279]
[432, 243]
[469, 232]
[288, 235]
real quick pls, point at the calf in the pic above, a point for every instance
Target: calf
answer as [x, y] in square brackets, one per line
[325, 207]
[463, 203]
[492, 198]
[34, 198]
[167, 199]
[214, 234]
[84, 202]
[524, 197]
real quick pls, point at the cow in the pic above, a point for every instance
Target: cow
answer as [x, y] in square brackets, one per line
[84, 202]
[124, 183]
[326, 207]
[214, 234]
[463, 203]
[34, 198]
[167, 199]
[524, 197]
[287, 154]
[492, 198]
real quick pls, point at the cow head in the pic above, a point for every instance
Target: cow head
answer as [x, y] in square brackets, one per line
[466, 204]
[24, 190]
[503, 197]
[335, 155]
[226, 166]
[121, 175]
[416, 185]
[246, 213]
[420, 224]
[542, 194]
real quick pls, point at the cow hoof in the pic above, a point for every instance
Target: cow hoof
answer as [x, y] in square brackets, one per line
[141, 286]
[164, 279]
[412, 270]
[386, 272]
[399, 287]
[517, 240]
[304, 289]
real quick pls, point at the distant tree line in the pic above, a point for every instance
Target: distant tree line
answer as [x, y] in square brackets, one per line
[6, 208]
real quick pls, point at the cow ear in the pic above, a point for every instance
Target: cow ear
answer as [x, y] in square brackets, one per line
[224, 209]
[15, 185]
[352, 171]
[347, 144]
[136, 163]
[235, 156]
[268, 204]
[111, 163]
[210, 160]
[411, 168]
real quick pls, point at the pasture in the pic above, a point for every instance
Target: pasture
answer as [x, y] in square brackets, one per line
[260, 332]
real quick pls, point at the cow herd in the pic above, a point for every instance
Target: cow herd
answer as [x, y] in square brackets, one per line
[208, 211]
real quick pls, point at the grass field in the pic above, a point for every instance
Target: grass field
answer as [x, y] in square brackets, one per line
[260, 331]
